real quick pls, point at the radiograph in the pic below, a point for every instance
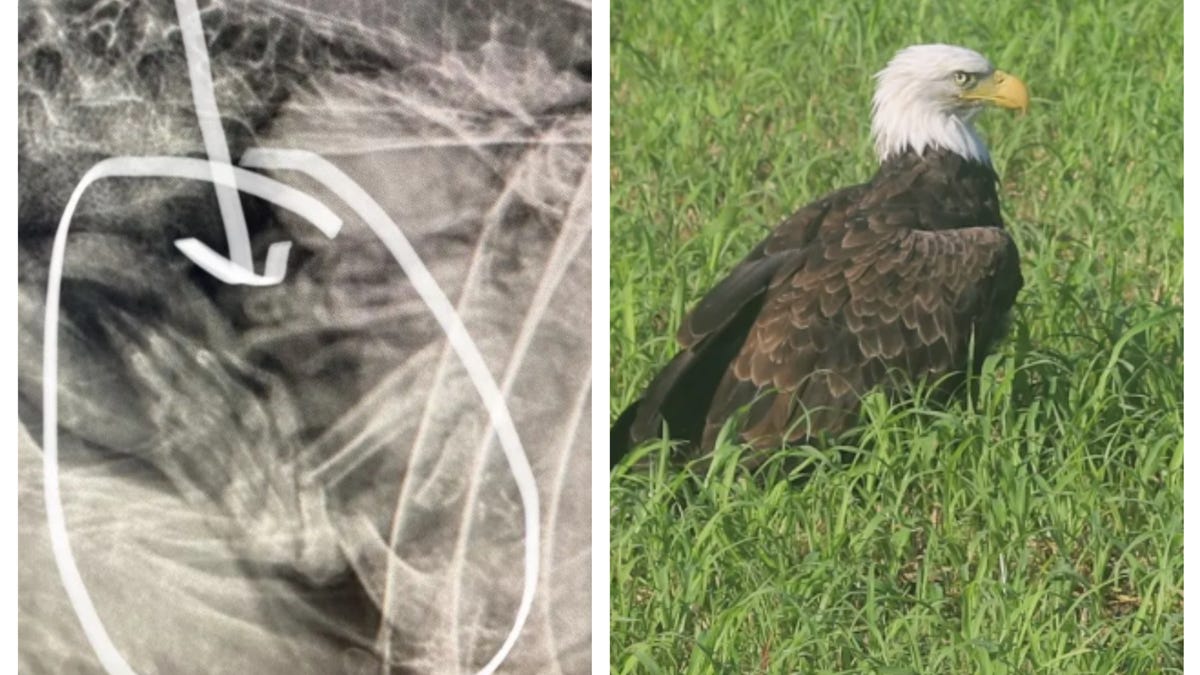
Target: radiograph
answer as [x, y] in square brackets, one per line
[328, 472]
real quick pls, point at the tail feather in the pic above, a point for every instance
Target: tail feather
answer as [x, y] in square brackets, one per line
[620, 438]
[673, 397]
[682, 393]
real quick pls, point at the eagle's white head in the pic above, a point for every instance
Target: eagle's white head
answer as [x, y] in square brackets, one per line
[928, 94]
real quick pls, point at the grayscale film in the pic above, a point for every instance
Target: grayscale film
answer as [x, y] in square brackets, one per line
[304, 372]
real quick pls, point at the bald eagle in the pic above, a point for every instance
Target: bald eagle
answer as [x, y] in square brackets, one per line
[897, 276]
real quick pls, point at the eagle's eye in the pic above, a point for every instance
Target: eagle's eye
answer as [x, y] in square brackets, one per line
[962, 78]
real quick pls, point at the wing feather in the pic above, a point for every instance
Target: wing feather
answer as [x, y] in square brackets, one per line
[843, 321]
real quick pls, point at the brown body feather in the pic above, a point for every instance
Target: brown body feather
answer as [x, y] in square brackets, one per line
[901, 274]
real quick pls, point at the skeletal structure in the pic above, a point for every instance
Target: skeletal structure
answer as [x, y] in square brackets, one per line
[302, 474]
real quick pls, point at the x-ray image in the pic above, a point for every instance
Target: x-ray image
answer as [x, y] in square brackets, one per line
[304, 334]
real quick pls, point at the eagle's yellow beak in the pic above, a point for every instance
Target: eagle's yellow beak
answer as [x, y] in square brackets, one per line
[1001, 89]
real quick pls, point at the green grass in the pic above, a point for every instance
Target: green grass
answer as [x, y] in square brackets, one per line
[1035, 528]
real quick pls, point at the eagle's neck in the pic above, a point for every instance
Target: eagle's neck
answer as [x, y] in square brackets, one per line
[904, 123]
[948, 190]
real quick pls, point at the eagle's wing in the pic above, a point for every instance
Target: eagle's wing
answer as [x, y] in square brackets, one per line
[713, 332]
[752, 276]
[869, 296]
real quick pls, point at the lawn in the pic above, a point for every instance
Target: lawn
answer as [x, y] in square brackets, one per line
[1034, 527]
